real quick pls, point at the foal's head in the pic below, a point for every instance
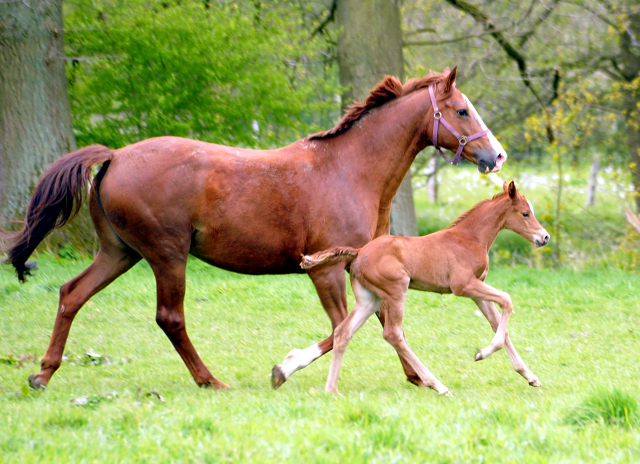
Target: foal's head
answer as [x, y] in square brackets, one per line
[520, 218]
[458, 111]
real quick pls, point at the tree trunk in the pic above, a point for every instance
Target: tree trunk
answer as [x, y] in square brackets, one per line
[432, 183]
[370, 46]
[35, 118]
[630, 54]
[593, 180]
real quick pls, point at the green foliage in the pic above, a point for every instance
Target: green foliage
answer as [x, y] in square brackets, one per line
[245, 74]
[606, 406]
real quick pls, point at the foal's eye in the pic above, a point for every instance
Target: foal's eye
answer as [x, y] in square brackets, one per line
[462, 112]
[525, 214]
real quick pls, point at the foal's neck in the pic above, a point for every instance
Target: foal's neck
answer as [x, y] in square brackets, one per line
[482, 223]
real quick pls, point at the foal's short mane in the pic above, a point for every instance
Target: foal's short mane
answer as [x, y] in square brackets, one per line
[460, 218]
[388, 89]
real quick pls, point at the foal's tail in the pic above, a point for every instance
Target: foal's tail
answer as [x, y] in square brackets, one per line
[332, 254]
[56, 200]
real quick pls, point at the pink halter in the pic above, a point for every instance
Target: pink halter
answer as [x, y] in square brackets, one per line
[462, 139]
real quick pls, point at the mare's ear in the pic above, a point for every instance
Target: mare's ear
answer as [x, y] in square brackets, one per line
[512, 190]
[449, 79]
[505, 187]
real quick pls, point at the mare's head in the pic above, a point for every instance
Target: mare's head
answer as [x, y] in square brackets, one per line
[520, 218]
[456, 109]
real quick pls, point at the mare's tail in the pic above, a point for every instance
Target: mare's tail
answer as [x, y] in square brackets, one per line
[56, 200]
[332, 254]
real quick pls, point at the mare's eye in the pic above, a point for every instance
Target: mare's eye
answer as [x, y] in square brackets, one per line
[525, 214]
[462, 112]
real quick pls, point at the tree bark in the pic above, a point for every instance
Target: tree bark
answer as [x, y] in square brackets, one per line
[35, 118]
[369, 47]
[630, 59]
[593, 180]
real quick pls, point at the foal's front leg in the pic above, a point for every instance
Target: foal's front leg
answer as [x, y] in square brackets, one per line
[478, 290]
[492, 315]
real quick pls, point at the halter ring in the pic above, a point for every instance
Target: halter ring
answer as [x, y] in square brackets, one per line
[463, 140]
[437, 115]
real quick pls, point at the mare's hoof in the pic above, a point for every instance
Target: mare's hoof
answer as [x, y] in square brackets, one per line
[36, 383]
[447, 394]
[215, 384]
[535, 383]
[277, 377]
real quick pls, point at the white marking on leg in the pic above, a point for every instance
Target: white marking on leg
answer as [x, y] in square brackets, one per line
[298, 359]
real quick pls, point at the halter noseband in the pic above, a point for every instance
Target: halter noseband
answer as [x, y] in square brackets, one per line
[462, 139]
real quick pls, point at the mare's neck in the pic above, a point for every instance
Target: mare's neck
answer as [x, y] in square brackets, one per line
[383, 144]
[482, 223]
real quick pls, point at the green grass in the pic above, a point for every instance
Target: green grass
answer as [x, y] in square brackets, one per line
[579, 332]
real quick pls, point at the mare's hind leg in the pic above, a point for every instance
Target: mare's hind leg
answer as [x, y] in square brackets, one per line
[492, 315]
[170, 282]
[110, 263]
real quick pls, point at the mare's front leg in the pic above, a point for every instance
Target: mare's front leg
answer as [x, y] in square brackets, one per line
[478, 290]
[492, 315]
[331, 285]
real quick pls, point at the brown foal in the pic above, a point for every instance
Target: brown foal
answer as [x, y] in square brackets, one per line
[454, 260]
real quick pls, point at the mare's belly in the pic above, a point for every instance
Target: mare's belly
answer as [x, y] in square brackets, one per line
[256, 254]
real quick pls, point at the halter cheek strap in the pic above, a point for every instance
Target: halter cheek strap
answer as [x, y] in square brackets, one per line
[462, 139]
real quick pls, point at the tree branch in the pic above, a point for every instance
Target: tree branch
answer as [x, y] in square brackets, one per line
[420, 31]
[524, 38]
[511, 52]
[328, 19]
[446, 41]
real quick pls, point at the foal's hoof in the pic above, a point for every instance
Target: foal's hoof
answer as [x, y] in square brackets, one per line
[478, 356]
[535, 383]
[277, 377]
[36, 383]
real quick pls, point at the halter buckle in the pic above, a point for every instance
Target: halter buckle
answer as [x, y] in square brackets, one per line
[463, 140]
[437, 115]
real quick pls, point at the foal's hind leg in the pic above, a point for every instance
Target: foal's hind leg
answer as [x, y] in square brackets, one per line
[412, 377]
[492, 315]
[108, 265]
[331, 286]
[393, 333]
[367, 303]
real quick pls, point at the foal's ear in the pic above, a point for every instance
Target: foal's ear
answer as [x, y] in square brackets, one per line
[512, 190]
[449, 78]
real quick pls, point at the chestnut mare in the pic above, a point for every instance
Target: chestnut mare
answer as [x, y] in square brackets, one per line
[453, 260]
[247, 211]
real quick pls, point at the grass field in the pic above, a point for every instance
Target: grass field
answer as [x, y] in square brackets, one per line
[579, 332]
